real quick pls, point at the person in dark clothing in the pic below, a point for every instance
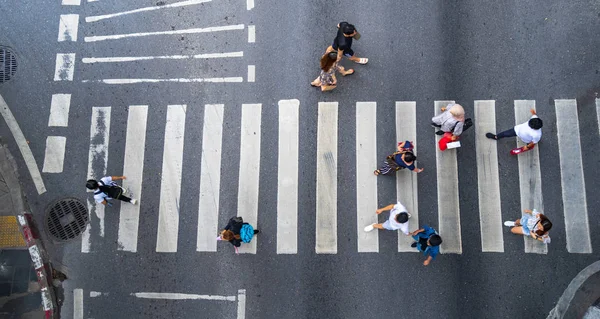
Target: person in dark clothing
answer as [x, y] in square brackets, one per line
[428, 242]
[343, 43]
[237, 232]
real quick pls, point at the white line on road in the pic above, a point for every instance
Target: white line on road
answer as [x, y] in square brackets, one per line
[170, 187]
[447, 188]
[97, 162]
[59, 110]
[166, 6]
[30, 162]
[249, 173]
[571, 175]
[287, 177]
[133, 168]
[71, 2]
[180, 296]
[65, 67]
[172, 32]
[251, 33]
[490, 212]
[406, 180]
[192, 80]
[251, 73]
[598, 113]
[54, 156]
[366, 182]
[530, 177]
[77, 303]
[67, 29]
[249, 4]
[326, 219]
[237, 54]
[210, 178]
[241, 309]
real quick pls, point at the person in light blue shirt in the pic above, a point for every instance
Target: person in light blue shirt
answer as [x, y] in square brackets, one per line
[428, 242]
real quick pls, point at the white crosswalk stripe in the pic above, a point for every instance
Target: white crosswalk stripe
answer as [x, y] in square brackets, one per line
[328, 142]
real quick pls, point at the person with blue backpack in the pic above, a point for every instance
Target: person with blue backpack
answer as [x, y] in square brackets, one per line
[237, 232]
[428, 242]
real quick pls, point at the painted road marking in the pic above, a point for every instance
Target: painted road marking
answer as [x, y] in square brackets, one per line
[571, 175]
[287, 177]
[59, 110]
[251, 73]
[65, 67]
[251, 33]
[249, 4]
[54, 156]
[71, 2]
[237, 54]
[530, 177]
[447, 187]
[210, 178]
[133, 168]
[180, 80]
[598, 113]
[166, 6]
[406, 180]
[97, 162]
[181, 296]
[171, 32]
[170, 186]
[67, 29]
[490, 211]
[249, 169]
[78, 303]
[30, 162]
[326, 219]
[366, 182]
[241, 309]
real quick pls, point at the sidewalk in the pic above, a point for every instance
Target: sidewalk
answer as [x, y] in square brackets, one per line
[19, 289]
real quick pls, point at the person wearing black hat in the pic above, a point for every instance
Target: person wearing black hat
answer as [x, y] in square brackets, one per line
[343, 43]
[106, 188]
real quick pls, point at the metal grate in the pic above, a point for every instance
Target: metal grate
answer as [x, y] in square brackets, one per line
[66, 219]
[8, 64]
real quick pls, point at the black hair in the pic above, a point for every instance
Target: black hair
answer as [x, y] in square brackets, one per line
[435, 240]
[536, 123]
[91, 184]
[348, 29]
[402, 217]
[547, 224]
[409, 157]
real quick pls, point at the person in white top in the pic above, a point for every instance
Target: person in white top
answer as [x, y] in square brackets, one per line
[106, 189]
[532, 223]
[398, 219]
[529, 132]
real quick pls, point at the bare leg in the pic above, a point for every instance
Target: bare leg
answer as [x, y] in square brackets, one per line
[343, 71]
[517, 230]
[378, 226]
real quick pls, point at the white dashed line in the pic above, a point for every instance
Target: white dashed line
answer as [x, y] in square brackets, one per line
[172, 32]
[251, 34]
[68, 27]
[59, 110]
[172, 5]
[65, 67]
[193, 80]
[251, 73]
[238, 54]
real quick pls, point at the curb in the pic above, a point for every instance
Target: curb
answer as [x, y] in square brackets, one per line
[582, 293]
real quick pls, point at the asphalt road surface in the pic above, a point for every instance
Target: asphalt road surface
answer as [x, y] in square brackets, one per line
[207, 107]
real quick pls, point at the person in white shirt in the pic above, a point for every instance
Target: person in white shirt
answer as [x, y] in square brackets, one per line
[106, 189]
[398, 219]
[529, 132]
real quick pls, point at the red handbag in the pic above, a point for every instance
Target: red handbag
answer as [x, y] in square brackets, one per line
[443, 143]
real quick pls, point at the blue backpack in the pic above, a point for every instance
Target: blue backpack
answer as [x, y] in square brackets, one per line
[246, 233]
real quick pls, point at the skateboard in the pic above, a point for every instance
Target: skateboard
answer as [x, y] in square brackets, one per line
[519, 150]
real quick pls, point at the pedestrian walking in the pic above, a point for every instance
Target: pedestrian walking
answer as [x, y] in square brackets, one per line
[403, 158]
[343, 43]
[237, 232]
[451, 120]
[327, 80]
[529, 132]
[532, 223]
[398, 219]
[106, 189]
[428, 242]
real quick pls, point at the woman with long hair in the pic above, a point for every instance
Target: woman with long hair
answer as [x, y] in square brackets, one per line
[532, 223]
[327, 80]
[403, 158]
[237, 232]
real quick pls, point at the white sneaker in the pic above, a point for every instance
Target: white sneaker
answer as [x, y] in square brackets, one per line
[369, 228]
[134, 201]
[509, 223]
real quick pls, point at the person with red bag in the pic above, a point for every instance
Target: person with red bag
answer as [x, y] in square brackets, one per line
[451, 123]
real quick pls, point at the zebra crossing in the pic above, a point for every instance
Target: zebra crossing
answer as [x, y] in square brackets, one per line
[326, 207]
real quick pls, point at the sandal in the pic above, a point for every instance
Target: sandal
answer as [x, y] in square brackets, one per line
[376, 172]
[350, 72]
[362, 61]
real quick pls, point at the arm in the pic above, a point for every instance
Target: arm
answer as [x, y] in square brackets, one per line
[417, 231]
[418, 170]
[117, 178]
[533, 112]
[340, 54]
[388, 207]
[427, 261]
[528, 146]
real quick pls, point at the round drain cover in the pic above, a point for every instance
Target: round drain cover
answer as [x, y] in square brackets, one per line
[8, 64]
[66, 219]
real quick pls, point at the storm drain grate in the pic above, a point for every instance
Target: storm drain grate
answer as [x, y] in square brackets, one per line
[66, 219]
[8, 64]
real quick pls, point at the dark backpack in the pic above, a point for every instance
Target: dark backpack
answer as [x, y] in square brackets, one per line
[468, 123]
[110, 190]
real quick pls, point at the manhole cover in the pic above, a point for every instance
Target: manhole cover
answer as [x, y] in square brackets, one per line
[8, 64]
[66, 219]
